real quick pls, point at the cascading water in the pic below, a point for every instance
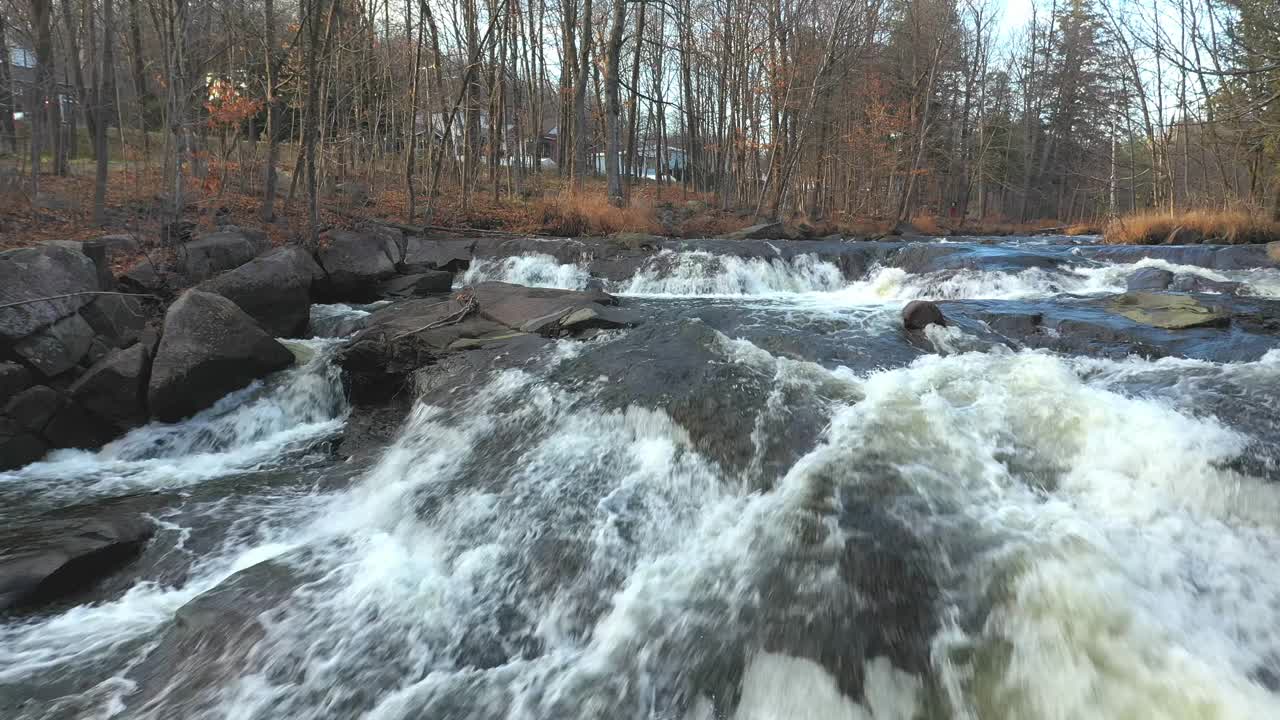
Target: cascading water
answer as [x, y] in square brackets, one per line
[703, 517]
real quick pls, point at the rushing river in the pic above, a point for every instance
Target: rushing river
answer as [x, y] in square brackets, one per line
[767, 501]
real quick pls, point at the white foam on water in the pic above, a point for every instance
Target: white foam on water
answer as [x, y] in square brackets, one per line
[780, 687]
[530, 269]
[1138, 573]
[248, 429]
[701, 274]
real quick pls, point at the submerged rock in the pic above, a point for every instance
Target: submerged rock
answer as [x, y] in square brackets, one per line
[209, 348]
[919, 314]
[1172, 312]
[65, 552]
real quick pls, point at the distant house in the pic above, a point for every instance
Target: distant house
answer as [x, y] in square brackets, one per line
[673, 162]
[22, 77]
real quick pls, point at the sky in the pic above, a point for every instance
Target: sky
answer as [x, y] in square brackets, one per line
[1013, 15]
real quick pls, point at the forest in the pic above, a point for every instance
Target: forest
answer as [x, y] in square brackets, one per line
[837, 112]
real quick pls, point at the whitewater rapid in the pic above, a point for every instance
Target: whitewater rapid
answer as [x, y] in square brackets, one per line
[994, 534]
[705, 274]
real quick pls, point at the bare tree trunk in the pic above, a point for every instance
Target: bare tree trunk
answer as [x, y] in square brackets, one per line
[273, 116]
[82, 93]
[580, 128]
[8, 133]
[411, 135]
[40, 12]
[102, 105]
[613, 105]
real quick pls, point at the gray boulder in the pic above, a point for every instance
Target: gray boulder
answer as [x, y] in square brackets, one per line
[355, 262]
[42, 272]
[209, 348]
[919, 314]
[58, 348]
[73, 427]
[1149, 279]
[13, 379]
[18, 446]
[274, 289]
[421, 255]
[115, 389]
[32, 408]
[120, 319]
[216, 252]
[1192, 283]
[427, 282]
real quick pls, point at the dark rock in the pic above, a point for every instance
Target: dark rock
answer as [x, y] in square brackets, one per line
[216, 252]
[421, 254]
[42, 272]
[209, 348]
[58, 348]
[62, 553]
[115, 389]
[587, 317]
[73, 427]
[354, 263]
[18, 447]
[760, 231]
[99, 255]
[515, 305]
[1149, 279]
[919, 314]
[1013, 324]
[1184, 236]
[638, 241]
[32, 408]
[120, 319]
[121, 243]
[14, 378]
[1192, 283]
[428, 282]
[274, 289]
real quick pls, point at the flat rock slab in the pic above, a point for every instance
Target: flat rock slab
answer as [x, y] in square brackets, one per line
[1171, 312]
[58, 554]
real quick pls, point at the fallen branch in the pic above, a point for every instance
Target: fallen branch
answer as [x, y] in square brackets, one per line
[466, 298]
[28, 301]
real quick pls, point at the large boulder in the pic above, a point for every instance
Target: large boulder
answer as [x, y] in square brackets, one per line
[274, 289]
[14, 378]
[62, 553]
[1171, 312]
[58, 348]
[115, 389]
[354, 262]
[427, 282]
[1149, 279]
[421, 254]
[18, 446]
[919, 314]
[42, 272]
[216, 252]
[209, 348]
[120, 320]
[33, 408]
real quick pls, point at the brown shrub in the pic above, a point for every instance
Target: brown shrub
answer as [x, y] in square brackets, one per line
[1225, 226]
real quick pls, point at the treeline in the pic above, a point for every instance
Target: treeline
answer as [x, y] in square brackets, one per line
[829, 109]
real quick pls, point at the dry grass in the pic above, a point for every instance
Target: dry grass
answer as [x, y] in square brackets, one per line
[1219, 226]
[1082, 228]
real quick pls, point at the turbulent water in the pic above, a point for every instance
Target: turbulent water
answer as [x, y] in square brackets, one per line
[765, 502]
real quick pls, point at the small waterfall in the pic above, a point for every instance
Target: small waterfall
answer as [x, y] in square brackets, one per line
[700, 273]
[257, 426]
[532, 269]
